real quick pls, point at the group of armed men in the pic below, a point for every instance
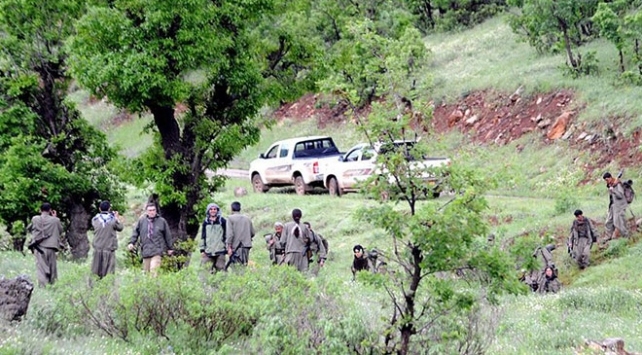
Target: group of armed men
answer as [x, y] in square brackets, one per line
[583, 235]
[293, 243]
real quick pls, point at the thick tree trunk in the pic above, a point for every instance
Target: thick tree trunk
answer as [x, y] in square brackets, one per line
[79, 219]
[181, 218]
[567, 44]
[622, 69]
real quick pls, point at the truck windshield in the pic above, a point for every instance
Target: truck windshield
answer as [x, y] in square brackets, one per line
[315, 147]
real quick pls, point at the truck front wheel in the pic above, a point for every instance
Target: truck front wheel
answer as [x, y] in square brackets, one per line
[258, 184]
[300, 186]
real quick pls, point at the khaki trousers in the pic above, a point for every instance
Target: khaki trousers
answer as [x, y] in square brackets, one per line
[152, 264]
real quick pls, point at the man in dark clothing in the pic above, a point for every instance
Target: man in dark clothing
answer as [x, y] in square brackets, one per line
[361, 261]
[239, 234]
[581, 239]
[106, 225]
[46, 231]
[155, 238]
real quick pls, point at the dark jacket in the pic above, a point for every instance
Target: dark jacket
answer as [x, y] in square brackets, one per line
[48, 230]
[159, 242]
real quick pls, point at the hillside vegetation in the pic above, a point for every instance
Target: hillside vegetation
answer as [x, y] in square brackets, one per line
[540, 183]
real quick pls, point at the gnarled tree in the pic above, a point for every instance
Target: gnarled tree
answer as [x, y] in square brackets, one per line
[222, 60]
[47, 151]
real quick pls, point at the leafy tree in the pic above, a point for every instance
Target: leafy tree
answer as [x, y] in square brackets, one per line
[47, 151]
[144, 56]
[429, 244]
[548, 24]
[610, 26]
[452, 14]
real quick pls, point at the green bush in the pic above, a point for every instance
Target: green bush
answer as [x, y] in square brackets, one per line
[269, 310]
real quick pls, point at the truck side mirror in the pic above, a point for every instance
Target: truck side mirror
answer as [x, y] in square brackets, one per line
[340, 157]
[261, 156]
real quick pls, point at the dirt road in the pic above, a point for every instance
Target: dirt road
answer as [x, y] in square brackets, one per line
[231, 173]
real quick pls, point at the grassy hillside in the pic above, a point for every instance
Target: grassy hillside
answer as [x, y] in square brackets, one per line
[491, 56]
[537, 193]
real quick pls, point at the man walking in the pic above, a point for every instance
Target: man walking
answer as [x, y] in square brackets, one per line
[106, 225]
[240, 232]
[46, 231]
[155, 238]
[581, 239]
[296, 237]
[317, 245]
[616, 218]
[213, 239]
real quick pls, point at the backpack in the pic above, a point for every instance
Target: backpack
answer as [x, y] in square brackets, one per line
[629, 193]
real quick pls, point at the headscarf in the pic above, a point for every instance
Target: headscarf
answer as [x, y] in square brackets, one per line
[207, 211]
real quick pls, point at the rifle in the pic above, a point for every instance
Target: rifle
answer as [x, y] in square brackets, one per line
[233, 256]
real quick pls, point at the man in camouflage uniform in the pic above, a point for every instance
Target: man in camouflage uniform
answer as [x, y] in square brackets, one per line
[212, 244]
[277, 254]
[616, 217]
[582, 237]
[46, 231]
[318, 246]
[296, 237]
[106, 224]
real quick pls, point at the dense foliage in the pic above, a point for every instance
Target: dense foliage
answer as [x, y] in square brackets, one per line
[47, 151]
[141, 55]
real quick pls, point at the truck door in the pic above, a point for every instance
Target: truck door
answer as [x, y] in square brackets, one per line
[357, 166]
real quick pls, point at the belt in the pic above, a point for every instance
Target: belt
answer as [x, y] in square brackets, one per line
[279, 251]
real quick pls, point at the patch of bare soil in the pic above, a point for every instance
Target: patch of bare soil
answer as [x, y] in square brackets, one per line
[492, 118]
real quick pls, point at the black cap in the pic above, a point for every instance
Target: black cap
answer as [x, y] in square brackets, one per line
[607, 175]
[357, 248]
[577, 213]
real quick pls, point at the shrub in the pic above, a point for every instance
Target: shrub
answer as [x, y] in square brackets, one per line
[269, 311]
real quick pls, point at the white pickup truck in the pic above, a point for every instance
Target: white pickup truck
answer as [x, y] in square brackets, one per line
[296, 161]
[360, 163]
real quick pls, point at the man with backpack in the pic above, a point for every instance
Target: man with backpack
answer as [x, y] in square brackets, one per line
[213, 233]
[582, 237]
[618, 203]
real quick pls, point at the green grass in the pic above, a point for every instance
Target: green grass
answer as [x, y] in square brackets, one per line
[491, 56]
[602, 301]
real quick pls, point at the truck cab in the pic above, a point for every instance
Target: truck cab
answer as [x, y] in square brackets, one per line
[294, 162]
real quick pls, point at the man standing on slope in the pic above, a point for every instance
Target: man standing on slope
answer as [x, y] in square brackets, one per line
[105, 225]
[581, 239]
[240, 232]
[616, 218]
